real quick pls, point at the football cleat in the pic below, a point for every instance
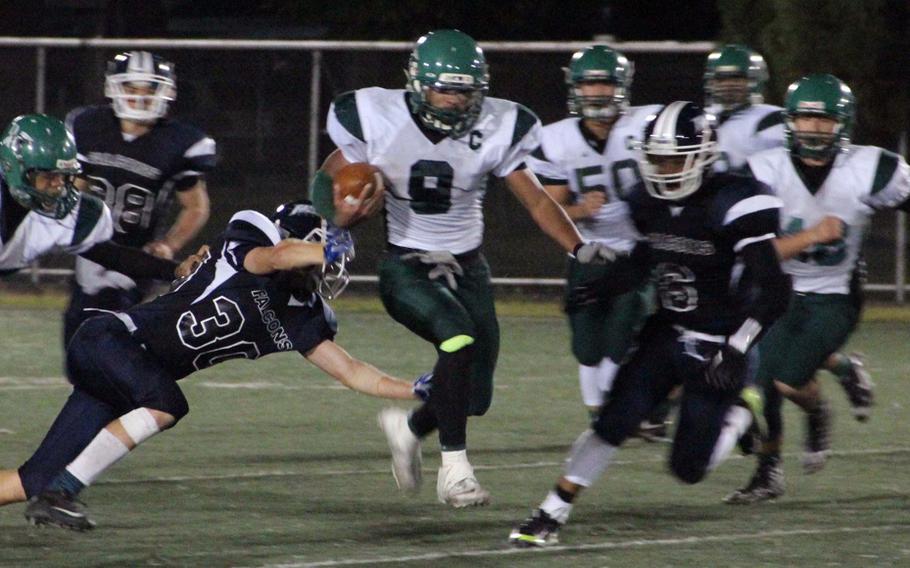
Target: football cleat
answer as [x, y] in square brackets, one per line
[457, 486]
[859, 388]
[767, 483]
[58, 508]
[818, 438]
[405, 448]
[538, 530]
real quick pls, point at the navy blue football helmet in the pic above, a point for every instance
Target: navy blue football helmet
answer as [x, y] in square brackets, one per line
[299, 220]
[135, 69]
[682, 133]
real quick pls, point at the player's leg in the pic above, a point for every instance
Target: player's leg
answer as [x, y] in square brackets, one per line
[643, 381]
[850, 370]
[475, 293]
[431, 310]
[107, 363]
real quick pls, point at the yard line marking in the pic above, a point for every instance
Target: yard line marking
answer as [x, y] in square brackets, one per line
[385, 470]
[611, 545]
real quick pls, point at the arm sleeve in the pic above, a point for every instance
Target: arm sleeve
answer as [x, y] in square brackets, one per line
[891, 184]
[130, 261]
[198, 160]
[525, 139]
[772, 289]
[247, 230]
[345, 129]
[547, 172]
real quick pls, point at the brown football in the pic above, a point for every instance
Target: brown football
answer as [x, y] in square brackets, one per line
[350, 180]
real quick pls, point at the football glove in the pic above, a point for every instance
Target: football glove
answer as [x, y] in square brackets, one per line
[338, 242]
[422, 386]
[594, 253]
[727, 369]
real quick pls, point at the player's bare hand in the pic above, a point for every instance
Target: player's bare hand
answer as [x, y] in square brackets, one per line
[592, 201]
[160, 249]
[829, 229]
[192, 262]
[349, 212]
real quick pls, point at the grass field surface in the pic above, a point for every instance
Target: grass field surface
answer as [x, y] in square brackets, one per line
[277, 466]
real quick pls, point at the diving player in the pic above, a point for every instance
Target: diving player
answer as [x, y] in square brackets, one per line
[257, 292]
[137, 160]
[700, 230]
[436, 142]
[584, 163]
[829, 188]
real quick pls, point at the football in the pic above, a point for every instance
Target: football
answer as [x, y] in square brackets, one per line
[350, 180]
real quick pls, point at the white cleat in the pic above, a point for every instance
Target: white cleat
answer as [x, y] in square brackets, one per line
[405, 448]
[457, 486]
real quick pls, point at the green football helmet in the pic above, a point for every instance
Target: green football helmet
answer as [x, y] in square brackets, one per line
[599, 64]
[448, 61]
[735, 62]
[38, 143]
[825, 95]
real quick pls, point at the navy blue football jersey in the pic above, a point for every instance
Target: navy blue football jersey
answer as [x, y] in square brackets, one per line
[223, 312]
[137, 178]
[693, 248]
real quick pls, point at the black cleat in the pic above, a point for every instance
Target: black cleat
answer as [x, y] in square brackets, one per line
[818, 438]
[58, 508]
[767, 483]
[859, 388]
[538, 530]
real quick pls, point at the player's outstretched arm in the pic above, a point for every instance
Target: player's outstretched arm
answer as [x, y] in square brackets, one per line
[548, 215]
[358, 375]
[195, 208]
[289, 254]
[132, 262]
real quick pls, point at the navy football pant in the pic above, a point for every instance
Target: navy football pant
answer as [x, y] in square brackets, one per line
[663, 360]
[111, 374]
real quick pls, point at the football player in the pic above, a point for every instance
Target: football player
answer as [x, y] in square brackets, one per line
[258, 291]
[436, 141]
[41, 212]
[829, 188]
[700, 231]
[586, 166]
[136, 159]
[735, 78]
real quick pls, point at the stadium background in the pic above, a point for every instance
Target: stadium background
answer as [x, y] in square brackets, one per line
[256, 103]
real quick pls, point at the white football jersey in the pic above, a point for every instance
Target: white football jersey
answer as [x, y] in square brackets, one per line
[435, 193]
[748, 131]
[862, 180]
[566, 157]
[88, 224]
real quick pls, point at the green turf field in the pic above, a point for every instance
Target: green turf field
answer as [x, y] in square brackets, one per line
[275, 466]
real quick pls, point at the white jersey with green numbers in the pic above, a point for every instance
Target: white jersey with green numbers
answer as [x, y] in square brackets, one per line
[27, 236]
[435, 191]
[567, 157]
[862, 180]
[748, 131]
